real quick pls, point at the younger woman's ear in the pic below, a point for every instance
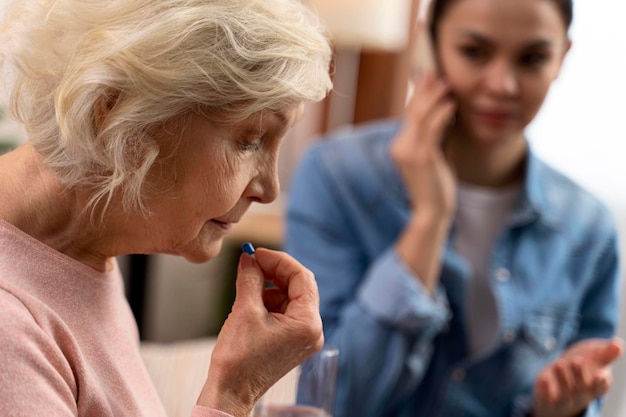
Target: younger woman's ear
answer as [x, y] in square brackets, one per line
[566, 48]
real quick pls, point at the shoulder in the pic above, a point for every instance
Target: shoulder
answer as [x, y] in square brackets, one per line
[572, 206]
[34, 371]
[23, 320]
[29, 330]
[362, 140]
[28, 323]
[353, 156]
[13, 308]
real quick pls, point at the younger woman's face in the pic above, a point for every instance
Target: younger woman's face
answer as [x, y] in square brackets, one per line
[500, 57]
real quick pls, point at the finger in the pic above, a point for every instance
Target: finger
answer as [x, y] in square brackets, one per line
[599, 352]
[440, 118]
[565, 382]
[430, 94]
[424, 78]
[584, 391]
[612, 350]
[545, 391]
[425, 102]
[250, 281]
[288, 274]
[563, 377]
[582, 380]
[425, 81]
[284, 271]
[275, 300]
[601, 385]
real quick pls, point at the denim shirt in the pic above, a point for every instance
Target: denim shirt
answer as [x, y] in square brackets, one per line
[554, 272]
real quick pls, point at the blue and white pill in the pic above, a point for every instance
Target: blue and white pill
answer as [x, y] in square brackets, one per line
[248, 248]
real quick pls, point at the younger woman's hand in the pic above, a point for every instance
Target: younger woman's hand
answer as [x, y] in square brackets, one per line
[268, 332]
[417, 152]
[583, 373]
[417, 149]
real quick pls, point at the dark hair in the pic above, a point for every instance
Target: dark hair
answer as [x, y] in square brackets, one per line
[439, 7]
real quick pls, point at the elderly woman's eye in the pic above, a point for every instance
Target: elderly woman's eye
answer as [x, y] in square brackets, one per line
[251, 145]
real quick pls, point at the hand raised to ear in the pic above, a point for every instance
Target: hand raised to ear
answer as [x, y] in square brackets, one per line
[416, 150]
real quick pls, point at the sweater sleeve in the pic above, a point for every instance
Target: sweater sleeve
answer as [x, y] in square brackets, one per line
[35, 378]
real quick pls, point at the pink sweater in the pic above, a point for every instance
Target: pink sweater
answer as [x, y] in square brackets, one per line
[69, 345]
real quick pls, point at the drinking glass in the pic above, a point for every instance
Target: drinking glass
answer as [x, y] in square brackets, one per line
[307, 391]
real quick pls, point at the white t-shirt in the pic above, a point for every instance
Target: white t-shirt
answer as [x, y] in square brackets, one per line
[481, 215]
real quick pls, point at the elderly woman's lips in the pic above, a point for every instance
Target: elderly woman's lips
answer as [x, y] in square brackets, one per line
[225, 226]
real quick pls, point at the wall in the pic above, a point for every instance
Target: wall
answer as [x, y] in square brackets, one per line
[580, 129]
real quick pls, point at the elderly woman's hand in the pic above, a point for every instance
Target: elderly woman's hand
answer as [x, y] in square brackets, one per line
[268, 332]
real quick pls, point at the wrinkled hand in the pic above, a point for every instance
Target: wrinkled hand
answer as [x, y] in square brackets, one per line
[417, 150]
[583, 373]
[268, 332]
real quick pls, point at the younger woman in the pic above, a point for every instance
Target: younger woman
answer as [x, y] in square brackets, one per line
[459, 274]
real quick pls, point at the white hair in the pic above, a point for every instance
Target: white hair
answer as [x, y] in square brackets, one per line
[146, 62]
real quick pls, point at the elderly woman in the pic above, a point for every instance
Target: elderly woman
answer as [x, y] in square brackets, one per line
[152, 126]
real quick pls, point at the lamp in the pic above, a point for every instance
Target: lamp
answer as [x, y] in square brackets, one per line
[366, 24]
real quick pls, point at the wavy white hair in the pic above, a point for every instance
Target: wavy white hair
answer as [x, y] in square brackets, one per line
[148, 61]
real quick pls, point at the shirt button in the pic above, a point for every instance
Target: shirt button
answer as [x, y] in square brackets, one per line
[550, 343]
[503, 275]
[508, 337]
[458, 374]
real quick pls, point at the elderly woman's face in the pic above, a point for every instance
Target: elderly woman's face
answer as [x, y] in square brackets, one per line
[212, 179]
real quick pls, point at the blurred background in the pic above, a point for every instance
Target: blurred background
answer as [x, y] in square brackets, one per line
[579, 130]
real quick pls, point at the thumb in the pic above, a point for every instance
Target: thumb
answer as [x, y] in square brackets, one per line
[250, 280]
[605, 353]
[613, 350]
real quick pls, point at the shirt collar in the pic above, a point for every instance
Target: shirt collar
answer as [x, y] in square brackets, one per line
[538, 194]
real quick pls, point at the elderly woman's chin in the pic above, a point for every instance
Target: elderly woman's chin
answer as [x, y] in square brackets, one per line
[200, 250]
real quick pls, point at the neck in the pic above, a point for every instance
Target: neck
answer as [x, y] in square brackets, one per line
[35, 201]
[496, 164]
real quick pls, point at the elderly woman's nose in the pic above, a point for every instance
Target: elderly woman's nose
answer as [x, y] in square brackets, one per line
[266, 185]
